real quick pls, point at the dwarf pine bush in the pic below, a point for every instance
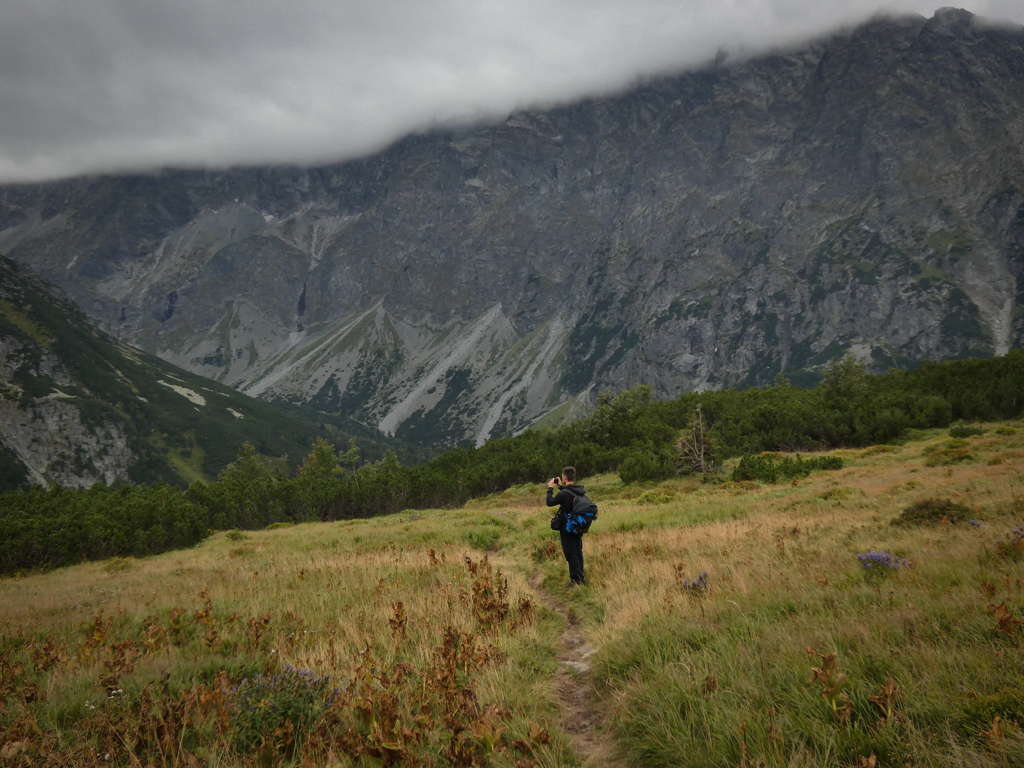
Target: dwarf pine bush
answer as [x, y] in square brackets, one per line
[960, 429]
[931, 511]
[766, 470]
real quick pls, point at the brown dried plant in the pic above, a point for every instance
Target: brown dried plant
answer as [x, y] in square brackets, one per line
[205, 614]
[709, 686]
[886, 699]
[832, 682]
[176, 625]
[490, 596]
[96, 633]
[292, 631]
[995, 734]
[256, 629]
[398, 623]
[48, 656]
[1005, 624]
[155, 634]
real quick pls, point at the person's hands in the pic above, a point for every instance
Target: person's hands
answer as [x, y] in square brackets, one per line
[553, 482]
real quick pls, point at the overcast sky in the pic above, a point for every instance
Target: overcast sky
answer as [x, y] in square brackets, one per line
[92, 86]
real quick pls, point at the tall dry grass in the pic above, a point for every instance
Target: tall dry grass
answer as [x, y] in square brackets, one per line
[722, 676]
[689, 677]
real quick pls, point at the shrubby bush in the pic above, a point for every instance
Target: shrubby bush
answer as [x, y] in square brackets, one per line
[932, 511]
[961, 430]
[766, 470]
[630, 433]
[59, 526]
[642, 465]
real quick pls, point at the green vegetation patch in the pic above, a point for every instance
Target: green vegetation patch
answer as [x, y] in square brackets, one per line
[23, 323]
[656, 496]
[840, 493]
[875, 450]
[961, 430]
[645, 465]
[953, 452]
[933, 511]
[766, 470]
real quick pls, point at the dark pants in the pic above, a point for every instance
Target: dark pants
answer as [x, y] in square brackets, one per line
[572, 546]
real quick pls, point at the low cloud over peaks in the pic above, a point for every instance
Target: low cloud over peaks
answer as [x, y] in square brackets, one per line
[114, 85]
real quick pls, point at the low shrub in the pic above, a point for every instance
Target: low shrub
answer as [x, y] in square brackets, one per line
[954, 444]
[929, 511]
[943, 457]
[960, 429]
[874, 450]
[840, 493]
[546, 551]
[638, 467]
[656, 496]
[764, 469]
[631, 525]
[483, 537]
[118, 564]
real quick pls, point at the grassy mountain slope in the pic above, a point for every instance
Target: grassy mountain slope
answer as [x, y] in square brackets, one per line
[78, 407]
[437, 654]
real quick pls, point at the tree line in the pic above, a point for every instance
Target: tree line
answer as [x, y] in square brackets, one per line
[632, 433]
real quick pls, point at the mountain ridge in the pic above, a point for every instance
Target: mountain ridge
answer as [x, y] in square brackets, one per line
[863, 193]
[78, 408]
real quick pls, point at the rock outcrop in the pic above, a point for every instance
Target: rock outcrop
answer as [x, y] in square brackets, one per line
[77, 408]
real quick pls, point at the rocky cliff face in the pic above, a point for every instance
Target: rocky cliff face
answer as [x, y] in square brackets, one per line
[864, 193]
[78, 408]
[46, 433]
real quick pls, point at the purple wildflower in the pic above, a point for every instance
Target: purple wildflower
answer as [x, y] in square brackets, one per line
[872, 559]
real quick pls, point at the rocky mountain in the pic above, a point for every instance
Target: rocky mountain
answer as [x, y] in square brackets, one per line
[77, 407]
[864, 192]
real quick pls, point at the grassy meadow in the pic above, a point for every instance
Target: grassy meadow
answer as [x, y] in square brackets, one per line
[434, 637]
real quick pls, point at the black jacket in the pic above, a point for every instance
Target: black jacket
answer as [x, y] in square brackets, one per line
[565, 499]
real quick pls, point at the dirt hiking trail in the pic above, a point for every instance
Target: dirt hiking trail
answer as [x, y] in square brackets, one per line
[583, 716]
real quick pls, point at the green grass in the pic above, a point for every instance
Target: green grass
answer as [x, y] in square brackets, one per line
[932, 654]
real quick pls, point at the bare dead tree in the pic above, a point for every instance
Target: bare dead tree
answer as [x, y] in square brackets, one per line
[694, 453]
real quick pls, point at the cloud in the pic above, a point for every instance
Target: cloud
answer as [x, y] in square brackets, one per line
[114, 85]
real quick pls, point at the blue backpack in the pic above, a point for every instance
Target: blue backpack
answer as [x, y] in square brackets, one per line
[584, 513]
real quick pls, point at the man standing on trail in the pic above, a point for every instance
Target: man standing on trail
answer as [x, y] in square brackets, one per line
[572, 543]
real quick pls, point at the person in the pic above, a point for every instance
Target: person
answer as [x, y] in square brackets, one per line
[572, 543]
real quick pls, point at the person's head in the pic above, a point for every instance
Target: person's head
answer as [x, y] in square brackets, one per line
[569, 474]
